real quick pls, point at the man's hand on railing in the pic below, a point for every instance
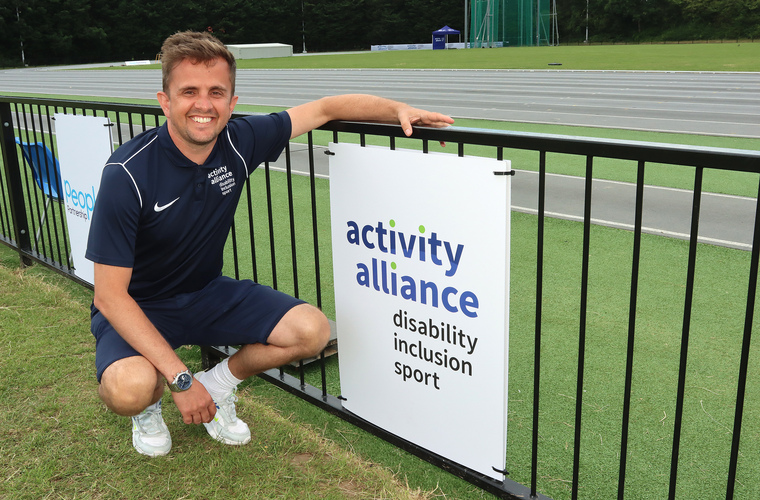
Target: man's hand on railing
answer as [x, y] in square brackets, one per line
[409, 116]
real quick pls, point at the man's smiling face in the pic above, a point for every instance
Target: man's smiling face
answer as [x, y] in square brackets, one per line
[197, 105]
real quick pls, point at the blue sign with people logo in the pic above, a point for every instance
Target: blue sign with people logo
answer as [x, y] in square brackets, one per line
[79, 203]
[84, 146]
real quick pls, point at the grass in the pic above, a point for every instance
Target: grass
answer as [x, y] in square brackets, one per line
[736, 56]
[702, 57]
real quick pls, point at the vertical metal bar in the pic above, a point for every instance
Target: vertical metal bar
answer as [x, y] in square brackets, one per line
[685, 331]
[291, 212]
[131, 125]
[23, 135]
[631, 327]
[34, 202]
[54, 180]
[42, 160]
[5, 211]
[19, 220]
[251, 230]
[539, 312]
[743, 365]
[272, 252]
[61, 207]
[314, 220]
[235, 250]
[301, 375]
[120, 139]
[315, 239]
[323, 375]
[582, 327]
[62, 215]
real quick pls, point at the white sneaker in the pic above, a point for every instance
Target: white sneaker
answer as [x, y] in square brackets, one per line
[150, 436]
[226, 427]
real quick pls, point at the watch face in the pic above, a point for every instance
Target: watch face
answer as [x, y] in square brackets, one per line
[184, 381]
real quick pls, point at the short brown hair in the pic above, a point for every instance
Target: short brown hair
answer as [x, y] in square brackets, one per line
[199, 47]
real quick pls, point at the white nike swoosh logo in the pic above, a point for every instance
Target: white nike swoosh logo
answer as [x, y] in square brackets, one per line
[161, 208]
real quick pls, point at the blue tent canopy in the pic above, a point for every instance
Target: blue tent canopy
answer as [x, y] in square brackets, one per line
[440, 37]
[446, 31]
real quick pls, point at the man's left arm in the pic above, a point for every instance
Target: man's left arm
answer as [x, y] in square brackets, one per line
[361, 107]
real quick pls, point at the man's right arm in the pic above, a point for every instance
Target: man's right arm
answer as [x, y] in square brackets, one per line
[125, 315]
[112, 299]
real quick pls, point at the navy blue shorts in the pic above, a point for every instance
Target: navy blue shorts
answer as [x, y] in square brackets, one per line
[225, 312]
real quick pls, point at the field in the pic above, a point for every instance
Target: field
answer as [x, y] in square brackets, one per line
[728, 56]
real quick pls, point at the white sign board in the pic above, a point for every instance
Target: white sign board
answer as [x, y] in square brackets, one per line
[421, 267]
[84, 146]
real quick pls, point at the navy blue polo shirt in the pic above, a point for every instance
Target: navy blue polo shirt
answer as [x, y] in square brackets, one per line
[168, 218]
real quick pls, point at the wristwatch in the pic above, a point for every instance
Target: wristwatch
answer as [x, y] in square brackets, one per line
[182, 381]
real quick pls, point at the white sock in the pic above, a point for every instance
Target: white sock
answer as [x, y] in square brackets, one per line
[219, 381]
[154, 406]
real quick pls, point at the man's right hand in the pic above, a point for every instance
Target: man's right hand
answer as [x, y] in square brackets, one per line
[195, 404]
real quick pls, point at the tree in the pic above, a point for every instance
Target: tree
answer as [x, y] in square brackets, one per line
[10, 36]
[626, 16]
[723, 18]
[58, 29]
[571, 17]
[71, 31]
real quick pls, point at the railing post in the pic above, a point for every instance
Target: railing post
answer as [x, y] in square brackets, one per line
[14, 186]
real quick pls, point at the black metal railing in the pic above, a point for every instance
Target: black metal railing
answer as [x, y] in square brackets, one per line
[273, 254]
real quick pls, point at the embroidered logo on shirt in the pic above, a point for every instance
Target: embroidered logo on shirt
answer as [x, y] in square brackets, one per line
[161, 208]
[224, 178]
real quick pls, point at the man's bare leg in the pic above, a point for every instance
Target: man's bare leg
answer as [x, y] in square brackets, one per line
[130, 385]
[303, 332]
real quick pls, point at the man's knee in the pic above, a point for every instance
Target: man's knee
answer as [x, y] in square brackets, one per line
[319, 333]
[304, 327]
[129, 385]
